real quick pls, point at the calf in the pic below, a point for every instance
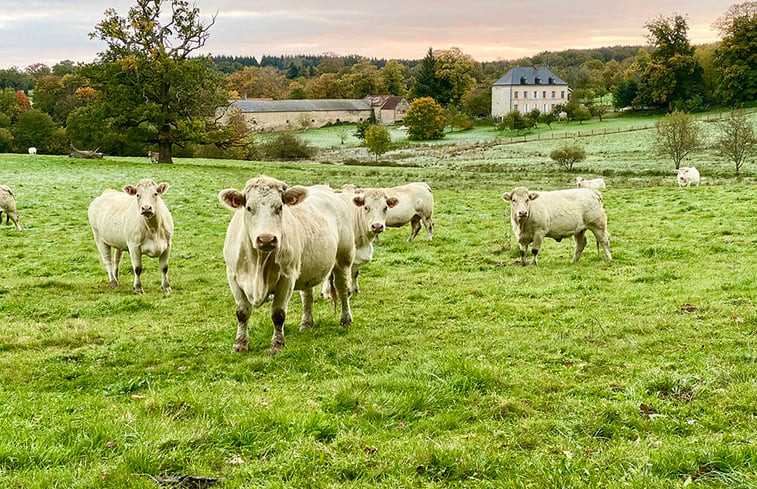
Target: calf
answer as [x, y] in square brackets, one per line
[557, 215]
[283, 239]
[135, 220]
[594, 183]
[8, 205]
[687, 175]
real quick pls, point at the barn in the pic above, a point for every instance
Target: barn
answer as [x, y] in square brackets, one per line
[281, 115]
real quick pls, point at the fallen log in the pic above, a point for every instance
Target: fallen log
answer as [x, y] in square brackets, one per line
[80, 153]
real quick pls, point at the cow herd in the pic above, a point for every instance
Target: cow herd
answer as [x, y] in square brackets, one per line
[284, 238]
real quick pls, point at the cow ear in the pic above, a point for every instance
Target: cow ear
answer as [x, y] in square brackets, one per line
[392, 201]
[506, 196]
[162, 187]
[358, 200]
[294, 195]
[533, 195]
[130, 189]
[231, 198]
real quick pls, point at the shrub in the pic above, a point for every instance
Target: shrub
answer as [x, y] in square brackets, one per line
[33, 128]
[6, 140]
[425, 119]
[377, 140]
[513, 121]
[362, 127]
[568, 155]
[287, 146]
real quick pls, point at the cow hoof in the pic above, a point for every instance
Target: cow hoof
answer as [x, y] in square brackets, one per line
[346, 322]
[306, 325]
[239, 348]
[139, 290]
[167, 290]
[113, 284]
[275, 348]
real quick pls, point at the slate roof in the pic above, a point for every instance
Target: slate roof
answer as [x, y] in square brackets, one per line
[529, 74]
[301, 105]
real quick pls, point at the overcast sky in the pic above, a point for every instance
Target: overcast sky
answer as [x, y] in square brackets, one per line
[47, 31]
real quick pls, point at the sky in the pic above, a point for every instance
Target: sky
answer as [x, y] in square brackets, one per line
[48, 31]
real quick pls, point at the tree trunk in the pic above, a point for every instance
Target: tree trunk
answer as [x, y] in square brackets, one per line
[164, 145]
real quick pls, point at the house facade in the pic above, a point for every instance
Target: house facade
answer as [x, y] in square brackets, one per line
[527, 88]
[388, 109]
[282, 115]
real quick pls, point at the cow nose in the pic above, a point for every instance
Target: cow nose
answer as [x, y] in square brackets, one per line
[377, 227]
[522, 213]
[146, 209]
[266, 241]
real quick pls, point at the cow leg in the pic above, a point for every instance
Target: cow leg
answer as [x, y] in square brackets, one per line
[243, 314]
[415, 226]
[136, 264]
[106, 257]
[326, 288]
[307, 309]
[117, 256]
[342, 286]
[428, 223]
[163, 263]
[281, 298]
[15, 221]
[535, 246]
[1, 218]
[580, 238]
[355, 270]
[603, 238]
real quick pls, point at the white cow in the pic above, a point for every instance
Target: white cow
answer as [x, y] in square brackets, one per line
[370, 208]
[415, 204]
[135, 220]
[593, 183]
[32, 150]
[283, 239]
[557, 215]
[154, 156]
[687, 175]
[8, 205]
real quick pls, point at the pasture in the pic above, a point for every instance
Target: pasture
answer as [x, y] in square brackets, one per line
[460, 370]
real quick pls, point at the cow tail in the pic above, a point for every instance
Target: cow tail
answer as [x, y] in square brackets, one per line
[332, 290]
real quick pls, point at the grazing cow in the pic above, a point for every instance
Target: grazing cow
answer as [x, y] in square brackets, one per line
[370, 208]
[283, 239]
[135, 220]
[594, 183]
[154, 156]
[8, 205]
[557, 215]
[687, 175]
[32, 150]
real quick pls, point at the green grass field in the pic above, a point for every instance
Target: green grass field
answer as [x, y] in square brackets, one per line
[459, 371]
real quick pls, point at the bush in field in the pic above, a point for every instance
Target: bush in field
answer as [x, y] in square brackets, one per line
[287, 146]
[33, 128]
[425, 120]
[513, 121]
[377, 140]
[568, 155]
[548, 119]
[736, 140]
[677, 136]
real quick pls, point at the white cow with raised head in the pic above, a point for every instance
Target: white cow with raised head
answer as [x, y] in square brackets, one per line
[8, 205]
[593, 183]
[558, 214]
[135, 220]
[281, 239]
[687, 176]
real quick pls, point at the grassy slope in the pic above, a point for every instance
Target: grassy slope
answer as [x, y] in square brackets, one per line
[459, 369]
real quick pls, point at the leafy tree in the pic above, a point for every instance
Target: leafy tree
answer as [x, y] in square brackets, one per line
[151, 85]
[35, 128]
[394, 78]
[673, 74]
[456, 119]
[581, 114]
[6, 140]
[735, 57]
[427, 83]
[478, 103]
[454, 69]
[514, 121]
[325, 86]
[425, 119]
[256, 82]
[677, 136]
[296, 91]
[548, 118]
[532, 117]
[361, 128]
[38, 70]
[287, 146]
[736, 140]
[8, 103]
[625, 93]
[16, 79]
[597, 110]
[568, 155]
[377, 140]
[65, 67]
[363, 79]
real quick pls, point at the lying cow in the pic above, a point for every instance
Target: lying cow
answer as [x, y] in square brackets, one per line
[135, 220]
[283, 239]
[593, 183]
[8, 205]
[557, 215]
[368, 218]
[687, 176]
[415, 204]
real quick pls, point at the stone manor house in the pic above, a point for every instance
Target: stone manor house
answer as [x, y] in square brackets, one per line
[527, 88]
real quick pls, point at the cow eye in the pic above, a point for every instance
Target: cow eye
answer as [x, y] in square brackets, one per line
[385, 208]
[367, 209]
[156, 194]
[277, 210]
[249, 209]
[137, 196]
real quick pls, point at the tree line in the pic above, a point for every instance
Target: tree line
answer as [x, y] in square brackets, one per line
[150, 90]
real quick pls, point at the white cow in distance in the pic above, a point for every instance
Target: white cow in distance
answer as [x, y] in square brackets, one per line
[135, 220]
[281, 239]
[593, 183]
[558, 214]
[32, 150]
[687, 176]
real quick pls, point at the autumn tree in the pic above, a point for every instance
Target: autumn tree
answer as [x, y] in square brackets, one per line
[256, 82]
[736, 140]
[325, 86]
[677, 135]
[425, 119]
[152, 86]
[734, 58]
[454, 68]
[394, 78]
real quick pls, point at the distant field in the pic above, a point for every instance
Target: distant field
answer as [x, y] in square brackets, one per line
[459, 371]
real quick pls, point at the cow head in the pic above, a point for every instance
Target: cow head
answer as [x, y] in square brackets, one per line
[578, 181]
[263, 201]
[375, 204]
[147, 193]
[519, 199]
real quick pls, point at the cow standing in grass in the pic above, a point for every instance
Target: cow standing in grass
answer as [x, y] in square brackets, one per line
[557, 215]
[8, 205]
[135, 220]
[283, 239]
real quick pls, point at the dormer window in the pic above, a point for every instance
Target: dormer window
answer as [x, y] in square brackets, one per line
[522, 80]
[537, 81]
[551, 81]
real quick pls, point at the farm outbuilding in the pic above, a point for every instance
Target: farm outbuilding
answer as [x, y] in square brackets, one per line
[527, 88]
[388, 109]
[279, 115]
